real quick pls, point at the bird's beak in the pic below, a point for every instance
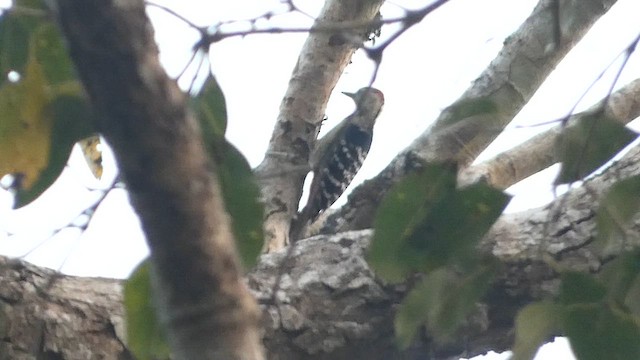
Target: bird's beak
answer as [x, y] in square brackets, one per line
[351, 95]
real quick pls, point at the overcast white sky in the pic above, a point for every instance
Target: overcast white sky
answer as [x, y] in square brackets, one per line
[422, 73]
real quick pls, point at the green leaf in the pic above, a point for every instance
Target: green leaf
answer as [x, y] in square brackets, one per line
[424, 222]
[71, 117]
[25, 127]
[412, 312]
[240, 191]
[632, 300]
[14, 44]
[589, 144]
[597, 328]
[455, 225]
[442, 300]
[145, 335]
[43, 114]
[209, 105]
[50, 51]
[405, 206]
[15, 37]
[458, 299]
[580, 288]
[619, 276]
[535, 324]
[616, 211]
[32, 5]
[241, 197]
[597, 333]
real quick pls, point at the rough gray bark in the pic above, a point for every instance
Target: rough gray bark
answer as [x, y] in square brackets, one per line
[329, 305]
[171, 180]
[45, 315]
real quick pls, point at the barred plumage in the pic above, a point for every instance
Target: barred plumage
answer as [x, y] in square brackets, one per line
[339, 155]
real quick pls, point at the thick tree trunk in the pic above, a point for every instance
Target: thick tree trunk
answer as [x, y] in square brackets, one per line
[171, 181]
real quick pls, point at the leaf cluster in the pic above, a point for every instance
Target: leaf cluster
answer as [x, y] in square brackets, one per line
[426, 224]
[599, 313]
[43, 111]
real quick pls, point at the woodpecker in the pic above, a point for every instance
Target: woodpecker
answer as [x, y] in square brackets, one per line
[339, 154]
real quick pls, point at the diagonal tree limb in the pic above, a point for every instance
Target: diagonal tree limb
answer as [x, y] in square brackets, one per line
[537, 153]
[527, 58]
[565, 225]
[171, 180]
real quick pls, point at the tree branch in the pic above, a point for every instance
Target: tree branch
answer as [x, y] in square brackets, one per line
[46, 315]
[537, 153]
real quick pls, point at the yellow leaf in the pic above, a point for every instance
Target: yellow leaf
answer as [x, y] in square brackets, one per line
[92, 154]
[25, 128]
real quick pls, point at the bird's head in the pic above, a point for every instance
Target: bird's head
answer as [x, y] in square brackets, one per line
[369, 101]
